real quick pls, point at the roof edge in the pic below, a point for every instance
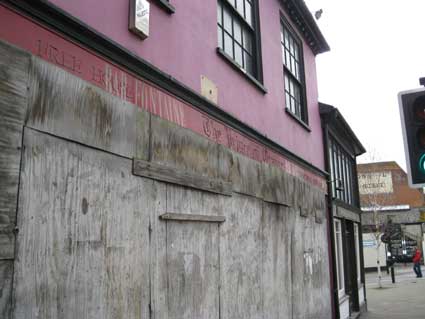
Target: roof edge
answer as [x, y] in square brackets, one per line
[303, 19]
[329, 110]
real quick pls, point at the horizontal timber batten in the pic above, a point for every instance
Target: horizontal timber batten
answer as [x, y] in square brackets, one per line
[180, 177]
[193, 218]
[71, 56]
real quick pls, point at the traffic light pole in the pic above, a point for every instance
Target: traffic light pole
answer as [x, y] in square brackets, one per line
[391, 261]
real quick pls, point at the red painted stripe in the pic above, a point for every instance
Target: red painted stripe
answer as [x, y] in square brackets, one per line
[72, 57]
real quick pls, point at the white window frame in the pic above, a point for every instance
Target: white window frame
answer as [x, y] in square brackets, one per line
[356, 243]
[339, 258]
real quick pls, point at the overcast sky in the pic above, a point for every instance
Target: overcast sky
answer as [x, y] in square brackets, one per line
[377, 50]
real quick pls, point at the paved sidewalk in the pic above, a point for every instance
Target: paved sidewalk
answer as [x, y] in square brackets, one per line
[403, 300]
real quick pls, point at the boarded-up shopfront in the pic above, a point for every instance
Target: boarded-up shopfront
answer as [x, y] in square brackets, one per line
[108, 211]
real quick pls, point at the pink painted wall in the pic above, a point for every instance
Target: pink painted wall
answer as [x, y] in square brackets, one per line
[184, 45]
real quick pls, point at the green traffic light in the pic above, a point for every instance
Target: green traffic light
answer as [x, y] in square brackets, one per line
[421, 163]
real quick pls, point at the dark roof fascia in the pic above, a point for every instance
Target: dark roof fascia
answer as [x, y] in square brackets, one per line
[334, 119]
[304, 21]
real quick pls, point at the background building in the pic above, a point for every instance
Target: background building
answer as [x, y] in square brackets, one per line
[171, 167]
[345, 221]
[385, 195]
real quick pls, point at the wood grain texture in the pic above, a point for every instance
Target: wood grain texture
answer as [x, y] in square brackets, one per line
[241, 259]
[277, 227]
[192, 270]
[193, 218]
[184, 200]
[178, 176]
[276, 185]
[6, 276]
[66, 106]
[310, 269]
[183, 149]
[244, 173]
[14, 68]
[83, 250]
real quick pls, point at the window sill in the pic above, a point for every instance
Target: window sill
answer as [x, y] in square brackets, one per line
[304, 125]
[164, 4]
[253, 80]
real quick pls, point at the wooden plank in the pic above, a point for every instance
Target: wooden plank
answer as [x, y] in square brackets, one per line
[7, 240]
[244, 173]
[66, 106]
[14, 66]
[192, 270]
[241, 258]
[277, 186]
[277, 225]
[310, 266]
[83, 249]
[176, 176]
[179, 199]
[183, 149]
[193, 218]
[6, 276]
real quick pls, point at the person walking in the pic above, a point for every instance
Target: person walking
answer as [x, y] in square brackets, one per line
[417, 263]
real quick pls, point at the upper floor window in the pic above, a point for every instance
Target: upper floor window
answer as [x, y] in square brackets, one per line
[293, 70]
[341, 166]
[237, 33]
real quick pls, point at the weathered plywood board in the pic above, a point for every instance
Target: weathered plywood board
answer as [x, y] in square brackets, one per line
[244, 173]
[14, 68]
[83, 249]
[241, 259]
[179, 176]
[174, 146]
[6, 276]
[192, 270]
[277, 227]
[310, 269]
[66, 106]
[276, 185]
[190, 202]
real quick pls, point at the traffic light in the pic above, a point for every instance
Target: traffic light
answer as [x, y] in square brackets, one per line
[412, 114]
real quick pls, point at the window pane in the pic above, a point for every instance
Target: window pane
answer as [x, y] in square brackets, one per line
[287, 60]
[219, 13]
[286, 39]
[239, 6]
[287, 98]
[286, 83]
[291, 45]
[297, 56]
[227, 20]
[248, 63]
[248, 13]
[247, 41]
[220, 37]
[237, 31]
[238, 54]
[228, 44]
[281, 34]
